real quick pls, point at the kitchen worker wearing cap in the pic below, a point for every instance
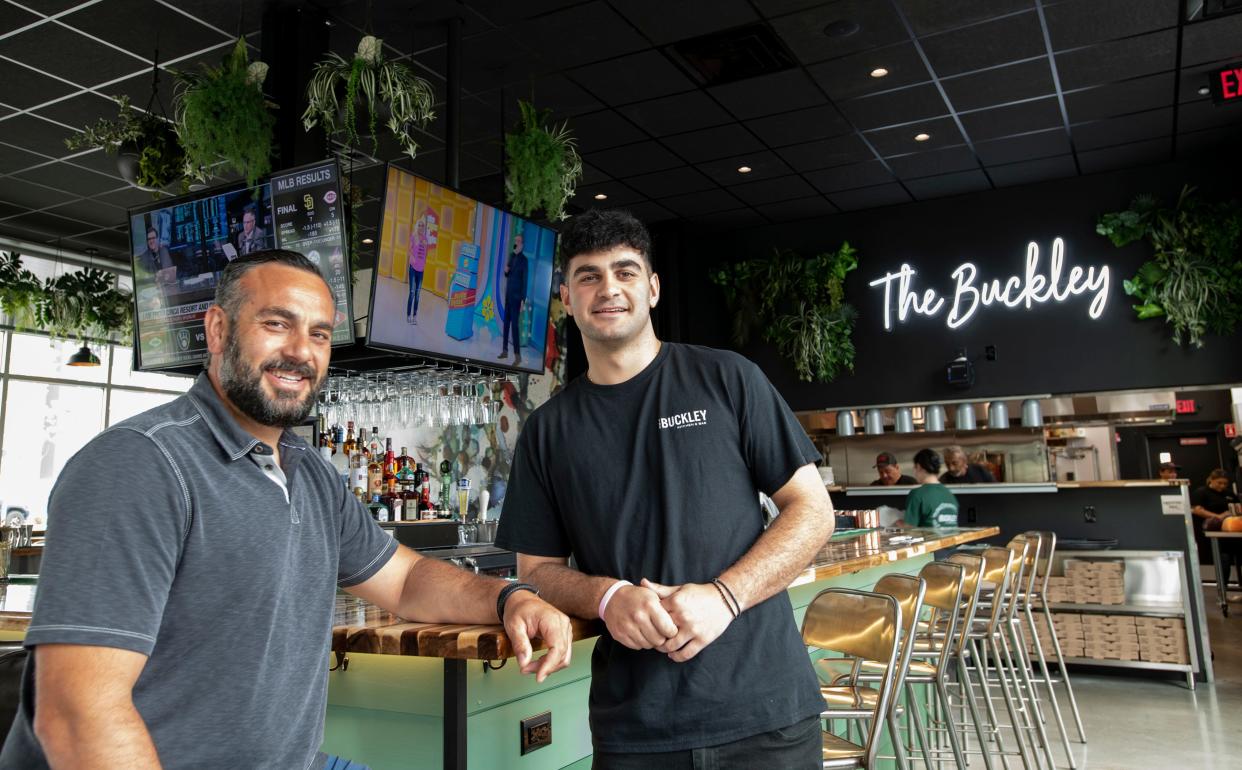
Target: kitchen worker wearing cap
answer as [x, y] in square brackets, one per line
[1170, 471]
[889, 472]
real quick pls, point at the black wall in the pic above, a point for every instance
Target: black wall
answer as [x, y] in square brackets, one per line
[1049, 349]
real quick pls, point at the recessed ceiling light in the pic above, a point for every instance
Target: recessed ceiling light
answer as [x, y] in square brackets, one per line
[600, 196]
[368, 241]
[922, 137]
[1204, 91]
[744, 169]
[879, 72]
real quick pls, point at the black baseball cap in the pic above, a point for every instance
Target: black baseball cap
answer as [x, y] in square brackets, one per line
[884, 458]
[1170, 467]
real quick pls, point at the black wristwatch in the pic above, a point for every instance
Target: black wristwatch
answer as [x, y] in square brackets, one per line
[508, 591]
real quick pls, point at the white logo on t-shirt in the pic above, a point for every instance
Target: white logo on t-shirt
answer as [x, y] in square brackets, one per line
[684, 420]
[950, 514]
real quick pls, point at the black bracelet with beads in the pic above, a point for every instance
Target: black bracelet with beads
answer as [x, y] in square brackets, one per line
[508, 591]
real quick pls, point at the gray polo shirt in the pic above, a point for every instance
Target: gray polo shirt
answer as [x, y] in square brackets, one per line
[169, 535]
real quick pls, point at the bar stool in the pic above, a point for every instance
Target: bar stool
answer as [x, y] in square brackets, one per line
[860, 626]
[1024, 550]
[855, 701]
[972, 579]
[1046, 551]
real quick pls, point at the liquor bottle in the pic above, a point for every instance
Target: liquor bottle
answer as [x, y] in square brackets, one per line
[376, 446]
[392, 501]
[375, 475]
[325, 439]
[446, 485]
[409, 502]
[407, 467]
[378, 510]
[390, 462]
[350, 445]
[425, 508]
[358, 476]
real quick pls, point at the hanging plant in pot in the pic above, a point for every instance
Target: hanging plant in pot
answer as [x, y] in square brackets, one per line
[799, 305]
[543, 166]
[149, 156]
[85, 304]
[20, 290]
[1194, 279]
[224, 120]
[385, 90]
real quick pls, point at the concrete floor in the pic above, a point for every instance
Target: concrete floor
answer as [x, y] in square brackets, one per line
[1139, 722]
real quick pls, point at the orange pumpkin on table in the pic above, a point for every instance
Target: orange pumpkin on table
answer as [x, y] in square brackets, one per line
[1231, 524]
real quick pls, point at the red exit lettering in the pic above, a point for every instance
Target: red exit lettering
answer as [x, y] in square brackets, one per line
[1229, 80]
[1186, 406]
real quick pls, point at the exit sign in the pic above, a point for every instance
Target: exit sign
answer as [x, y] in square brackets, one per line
[1186, 406]
[1231, 430]
[1226, 84]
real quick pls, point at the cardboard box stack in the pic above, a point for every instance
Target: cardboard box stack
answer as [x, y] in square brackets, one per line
[1069, 634]
[1162, 640]
[1091, 582]
[1110, 637]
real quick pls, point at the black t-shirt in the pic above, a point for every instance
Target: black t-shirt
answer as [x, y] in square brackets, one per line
[658, 477]
[975, 474]
[1211, 500]
[902, 481]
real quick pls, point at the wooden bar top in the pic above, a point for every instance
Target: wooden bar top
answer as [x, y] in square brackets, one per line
[365, 628]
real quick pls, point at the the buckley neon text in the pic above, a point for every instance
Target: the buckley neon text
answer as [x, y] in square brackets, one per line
[1025, 290]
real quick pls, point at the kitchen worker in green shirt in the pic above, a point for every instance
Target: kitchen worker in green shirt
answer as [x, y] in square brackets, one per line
[930, 504]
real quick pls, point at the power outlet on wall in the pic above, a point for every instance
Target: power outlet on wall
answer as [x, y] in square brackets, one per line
[536, 732]
[1088, 514]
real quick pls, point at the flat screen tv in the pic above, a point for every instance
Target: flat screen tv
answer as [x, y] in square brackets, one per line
[458, 279]
[180, 245]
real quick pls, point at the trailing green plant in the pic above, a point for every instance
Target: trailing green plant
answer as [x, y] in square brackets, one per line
[543, 166]
[1194, 279]
[355, 196]
[339, 87]
[85, 304]
[222, 114]
[799, 305]
[20, 290]
[160, 157]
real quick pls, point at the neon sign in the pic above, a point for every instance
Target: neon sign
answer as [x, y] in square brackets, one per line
[1026, 290]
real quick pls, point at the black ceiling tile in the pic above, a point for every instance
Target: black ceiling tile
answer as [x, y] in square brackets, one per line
[45, 48]
[850, 76]
[632, 78]
[1118, 60]
[773, 8]
[802, 208]
[480, 119]
[803, 32]
[773, 190]
[869, 197]
[1128, 96]
[487, 150]
[999, 85]
[592, 175]
[496, 58]
[634, 159]
[126, 197]
[71, 179]
[138, 86]
[21, 87]
[762, 164]
[730, 220]
[1028, 171]
[712, 143]
[1042, 144]
[838, 151]
[501, 12]
[1192, 81]
[1085, 23]
[769, 94]
[704, 202]
[1213, 143]
[900, 140]
[12, 18]
[650, 211]
[579, 34]
[830, 180]
[14, 158]
[1013, 119]
[618, 195]
[988, 44]
[47, 224]
[1202, 115]
[948, 184]
[36, 135]
[1125, 155]
[9, 210]
[564, 97]
[665, 22]
[112, 246]
[224, 16]
[116, 21]
[6, 110]
[676, 181]
[1212, 40]
[1122, 130]
[473, 167]
[601, 130]
[93, 211]
[677, 113]
[79, 111]
[927, 18]
[801, 126]
[895, 107]
[946, 161]
[432, 64]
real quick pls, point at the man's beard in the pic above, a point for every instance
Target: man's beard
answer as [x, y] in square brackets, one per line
[244, 388]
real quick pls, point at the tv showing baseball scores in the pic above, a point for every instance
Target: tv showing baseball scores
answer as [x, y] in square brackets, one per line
[458, 279]
[181, 245]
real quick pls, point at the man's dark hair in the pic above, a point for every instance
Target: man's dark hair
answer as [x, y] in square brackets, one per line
[229, 295]
[928, 460]
[153, 230]
[598, 230]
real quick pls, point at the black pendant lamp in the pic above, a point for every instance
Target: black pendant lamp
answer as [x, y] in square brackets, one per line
[84, 357]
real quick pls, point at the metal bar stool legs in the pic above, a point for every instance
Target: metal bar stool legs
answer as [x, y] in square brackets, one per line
[1047, 550]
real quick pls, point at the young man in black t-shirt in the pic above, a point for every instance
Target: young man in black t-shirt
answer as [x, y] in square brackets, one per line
[647, 471]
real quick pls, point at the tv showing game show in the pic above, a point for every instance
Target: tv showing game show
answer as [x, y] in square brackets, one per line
[458, 279]
[181, 245]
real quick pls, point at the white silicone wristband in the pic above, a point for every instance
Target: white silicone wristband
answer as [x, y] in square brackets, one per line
[617, 586]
